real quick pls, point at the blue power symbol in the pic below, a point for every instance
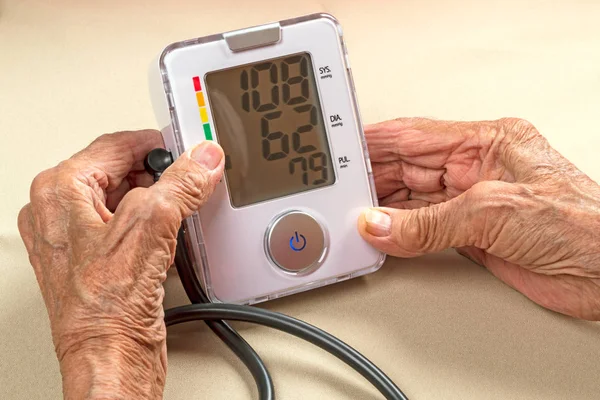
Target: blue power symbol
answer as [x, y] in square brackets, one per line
[297, 242]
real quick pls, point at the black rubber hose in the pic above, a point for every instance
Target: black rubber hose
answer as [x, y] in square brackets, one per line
[228, 335]
[155, 163]
[294, 327]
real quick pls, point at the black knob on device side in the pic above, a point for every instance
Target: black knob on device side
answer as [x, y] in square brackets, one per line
[157, 161]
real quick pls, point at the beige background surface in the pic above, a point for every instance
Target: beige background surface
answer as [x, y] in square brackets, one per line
[440, 326]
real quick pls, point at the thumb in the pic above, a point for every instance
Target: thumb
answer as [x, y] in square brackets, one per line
[188, 183]
[181, 190]
[462, 221]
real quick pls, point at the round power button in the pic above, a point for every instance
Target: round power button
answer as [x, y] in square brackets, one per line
[295, 241]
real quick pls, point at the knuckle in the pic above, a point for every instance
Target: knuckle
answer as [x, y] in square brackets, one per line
[64, 166]
[494, 192]
[487, 192]
[137, 197]
[43, 185]
[491, 205]
[419, 232]
[162, 208]
[115, 138]
[479, 191]
[420, 122]
[65, 180]
[100, 142]
[189, 184]
[53, 183]
[486, 201]
[397, 170]
[518, 127]
[24, 220]
[107, 143]
[419, 229]
[105, 137]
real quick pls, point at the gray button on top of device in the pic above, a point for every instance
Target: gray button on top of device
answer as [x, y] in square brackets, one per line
[295, 242]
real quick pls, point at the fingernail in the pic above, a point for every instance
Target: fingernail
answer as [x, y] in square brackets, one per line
[208, 154]
[378, 223]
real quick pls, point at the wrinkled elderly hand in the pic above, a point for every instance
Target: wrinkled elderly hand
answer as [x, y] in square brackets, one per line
[497, 192]
[100, 244]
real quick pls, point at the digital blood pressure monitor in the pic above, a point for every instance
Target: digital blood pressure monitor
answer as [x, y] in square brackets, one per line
[279, 99]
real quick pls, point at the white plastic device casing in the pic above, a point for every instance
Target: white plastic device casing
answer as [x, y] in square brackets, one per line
[226, 244]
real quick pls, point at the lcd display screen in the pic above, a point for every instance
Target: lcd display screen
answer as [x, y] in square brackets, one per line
[268, 120]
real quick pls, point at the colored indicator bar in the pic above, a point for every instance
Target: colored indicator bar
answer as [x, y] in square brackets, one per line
[207, 132]
[200, 99]
[197, 86]
[203, 115]
[201, 105]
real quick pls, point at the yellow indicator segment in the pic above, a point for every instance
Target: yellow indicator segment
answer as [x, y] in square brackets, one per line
[203, 115]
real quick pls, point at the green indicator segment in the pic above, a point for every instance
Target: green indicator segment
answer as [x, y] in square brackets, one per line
[207, 132]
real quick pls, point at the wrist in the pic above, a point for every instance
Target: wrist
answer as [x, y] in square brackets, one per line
[103, 368]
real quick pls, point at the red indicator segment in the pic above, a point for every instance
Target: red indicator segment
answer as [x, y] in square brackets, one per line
[197, 86]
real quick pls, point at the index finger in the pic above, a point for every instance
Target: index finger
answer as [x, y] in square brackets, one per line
[419, 141]
[117, 154]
